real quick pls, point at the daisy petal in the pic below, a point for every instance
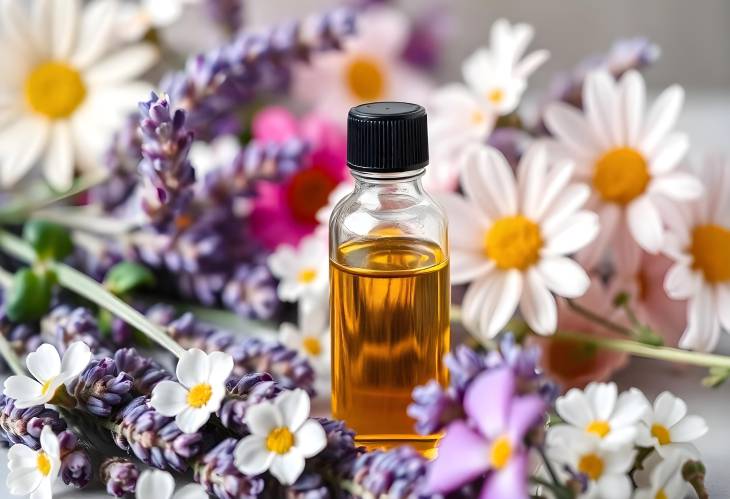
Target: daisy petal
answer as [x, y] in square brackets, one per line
[169, 398]
[44, 363]
[680, 282]
[602, 397]
[703, 328]
[555, 184]
[662, 117]
[500, 302]
[614, 486]
[466, 266]
[287, 467]
[467, 225]
[193, 368]
[96, 30]
[630, 407]
[600, 101]
[262, 418]
[609, 220]
[568, 201]
[21, 145]
[668, 409]
[669, 153]
[538, 305]
[723, 304]
[529, 64]
[473, 299]
[294, 407]
[251, 455]
[633, 102]
[75, 360]
[573, 234]
[310, 438]
[190, 419]
[564, 276]
[571, 128]
[679, 186]
[58, 165]
[126, 64]
[489, 174]
[531, 175]
[645, 224]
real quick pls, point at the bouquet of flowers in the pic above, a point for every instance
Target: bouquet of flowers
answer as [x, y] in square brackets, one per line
[163, 257]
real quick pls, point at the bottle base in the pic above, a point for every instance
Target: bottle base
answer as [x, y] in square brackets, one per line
[426, 445]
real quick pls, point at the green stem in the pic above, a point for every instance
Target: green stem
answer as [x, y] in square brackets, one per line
[81, 284]
[592, 316]
[10, 357]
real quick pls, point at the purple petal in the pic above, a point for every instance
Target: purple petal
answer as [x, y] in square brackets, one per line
[508, 483]
[488, 399]
[463, 455]
[525, 413]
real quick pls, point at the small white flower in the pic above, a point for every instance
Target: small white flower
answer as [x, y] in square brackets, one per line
[50, 373]
[630, 159]
[601, 412]
[199, 390]
[312, 339]
[606, 470]
[499, 74]
[666, 481]
[510, 238]
[33, 472]
[282, 437]
[667, 427]
[158, 484]
[302, 271]
[209, 156]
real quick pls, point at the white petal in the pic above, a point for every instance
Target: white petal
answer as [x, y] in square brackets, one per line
[669, 153]
[679, 186]
[602, 397]
[96, 30]
[21, 145]
[155, 484]
[49, 442]
[703, 327]
[310, 438]
[722, 298]
[529, 64]
[680, 282]
[193, 368]
[294, 407]
[287, 467]
[571, 128]
[467, 225]
[573, 234]
[58, 165]
[472, 303]
[169, 398]
[538, 305]
[609, 216]
[190, 419]
[501, 301]
[26, 391]
[614, 487]
[55, 26]
[645, 224]
[126, 64]
[283, 261]
[668, 409]
[555, 185]
[43, 491]
[633, 102]
[44, 363]
[601, 108]
[661, 119]
[75, 360]
[262, 418]
[564, 277]
[221, 365]
[688, 429]
[466, 267]
[21, 456]
[489, 182]
[15, 27]
[630, 407]
[531, 173]
[568, 201]
[23, 481]
[573, 407]
[191, 491]
[251, 455]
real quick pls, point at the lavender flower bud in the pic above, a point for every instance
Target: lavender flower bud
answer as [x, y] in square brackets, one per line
[251, 292]
[65, 325]
[434, 407]
[397, 473]
[217, 472]
[121, 160]
[101, 387]
[23, 426]
[144, 372]
[226, 13]
[308, 486]
[155, 439]
[464, 364]
[76, 468]
[339, 456]
[243, 393]
[119, 475]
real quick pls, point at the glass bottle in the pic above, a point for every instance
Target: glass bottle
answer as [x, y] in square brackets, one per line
[389, 274]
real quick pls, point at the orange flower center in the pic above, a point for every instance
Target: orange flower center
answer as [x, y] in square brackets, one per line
[620, 175]
[280, 440]
[599, 428]
[513, 242]
[199, 395]
[495, 96]
[54, 90]
[500, 452]
[312, 345]
[591, 465]
[307, 192]
[710, 250]
[365, 78]
[660, 494]
[661, 433]
[307, 275]
[43, 463]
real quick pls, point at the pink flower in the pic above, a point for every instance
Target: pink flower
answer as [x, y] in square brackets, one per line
[286, 212]
[495, 442]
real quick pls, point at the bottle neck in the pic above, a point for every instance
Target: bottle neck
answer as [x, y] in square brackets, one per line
[364, 179]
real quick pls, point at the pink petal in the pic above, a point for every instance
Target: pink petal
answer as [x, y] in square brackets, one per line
[462, 456]
[488, 399]
[508, 483]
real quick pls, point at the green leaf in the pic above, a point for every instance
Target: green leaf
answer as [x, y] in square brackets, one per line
[29, 297]
[127, 276]
[647, 336]
[50, 241]
[716, 377]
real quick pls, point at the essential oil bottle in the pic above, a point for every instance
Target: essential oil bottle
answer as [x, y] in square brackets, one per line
[389, 273]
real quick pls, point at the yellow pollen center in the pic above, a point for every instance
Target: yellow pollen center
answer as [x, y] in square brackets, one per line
[365, 78]
[621, 175]
[199, 395]
[591, 465]
[43, 463]
[710, 250]
[307, 275]
[46, 386]
[477, 117]
[661, 433]
[513, 242]
[280, 440]
[312, 345]
[495, 95]
[599, 428]
[660, 494]
[500, 452]
[54, 89]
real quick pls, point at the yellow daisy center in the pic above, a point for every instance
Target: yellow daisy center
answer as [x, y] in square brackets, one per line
[661, 433]
[591, 465]
[513, 242]
[620, 175]
[477, 117]
[500, 452]
[710, 249]
[280, 440]
[312, 345]
[43, 463]
[599, 428]
[307, 275]
[495, 96]
[365, 78]
[660, 494]
[54, 89]
[199, 395]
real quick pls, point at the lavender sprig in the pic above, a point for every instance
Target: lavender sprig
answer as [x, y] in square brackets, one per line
[23, 426]
[101, 387]
[76, 469]
[144, 372]
[217, 472]
[119, 476]
[228, 14]
[65, 325]
[397, 473]
[243, 393]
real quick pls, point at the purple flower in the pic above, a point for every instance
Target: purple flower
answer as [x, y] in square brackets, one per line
[217, 472]
[76, 468]
[101, 387]
[119, 475]
[491, 442]
[249, 390]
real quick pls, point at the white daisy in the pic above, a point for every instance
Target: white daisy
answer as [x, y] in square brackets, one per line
[369, 68]
[302, 271]
[62, 93]
[199, 390]
[667, 427]
[499, 73]
[137, 17]
[158, 484]
[50, 373]
[605, 469]
[666, 481]
[629, 157]
[282, 437]
[32, 472]
[510, 238]
[312, 338]
[699, 244]
[601, 412]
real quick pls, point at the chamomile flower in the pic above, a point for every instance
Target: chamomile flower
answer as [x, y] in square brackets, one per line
[50, 373]
[628, 156]
[510, 238]
[63, 92]
[158, 484]
[699, 245]
[312, 338]
[301, 271]
[199, 390]
[32, 472]
[282, 437]
[601, 412]
[666, 481]
[667, 427]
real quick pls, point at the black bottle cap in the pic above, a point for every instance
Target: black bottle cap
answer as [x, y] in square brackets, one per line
[385, 137]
